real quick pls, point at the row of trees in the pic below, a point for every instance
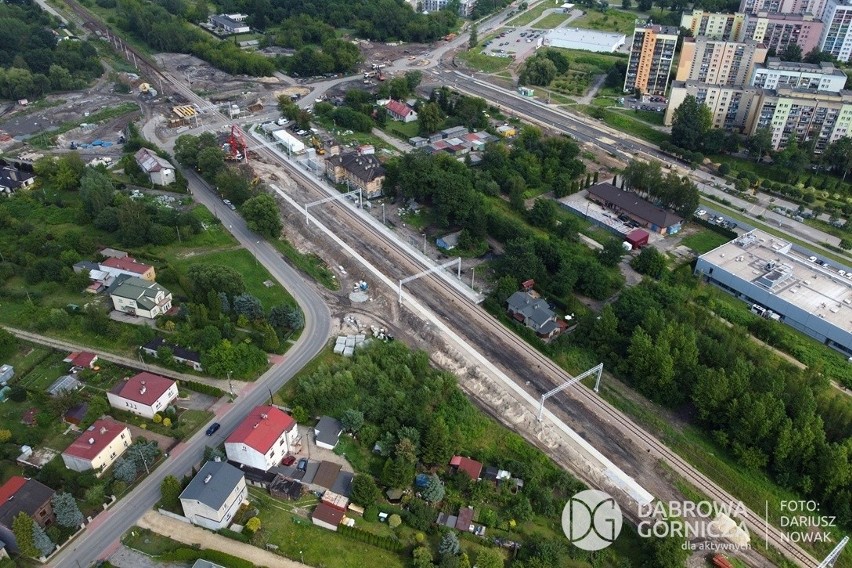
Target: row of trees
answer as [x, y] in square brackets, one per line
[543, 67]
[670, 191]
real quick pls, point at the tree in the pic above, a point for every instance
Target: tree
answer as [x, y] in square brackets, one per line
[5, 436]
[449, 544]
[394, 521]
[665, 552]
[210, 162]
[8, 343]
[612, 252]
[262, 215]
[692, 121]
[793, 52]
[286, 317]
[253, 525]
[792, 157]
[125, 470]
[434, 490]
[651, 262]
[206, 277]
[170, 490]
[430, 118]
[96, 192]
[474, 36]
[41, 541]
[759, 143]
[300, 414]
[838, 155]
[543, 213]
[23, 529]
[248, 306]
[365, 492]
[537, 70]
[489, 558]
[352, 420]
[397, 472]
[422, 557]
[67, 512]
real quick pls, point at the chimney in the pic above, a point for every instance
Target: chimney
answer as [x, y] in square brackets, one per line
[142, 390]
[103, 430]
[91, 441]
[264, 416]
[207, 479]
[255, 426]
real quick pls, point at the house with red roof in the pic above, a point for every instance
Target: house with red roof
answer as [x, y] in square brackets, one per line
[82, 359]
[471, 467]
[327, 517]
[263, 438]
[144, 394]
[98, 446]
[400, 111]
[23, 495]
[130, 266]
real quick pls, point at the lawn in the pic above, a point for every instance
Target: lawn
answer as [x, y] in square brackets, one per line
[590, 63]
[403, 130]
[298, 538]
[610, 21]
[485, 63]
[310, 264]
[533, 13]
[704, 240]
[550, 21]
[626, 123]
[649, 116]
[45, 373]
[253, 274]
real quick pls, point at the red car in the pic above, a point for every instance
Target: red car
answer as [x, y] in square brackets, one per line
[288, 460]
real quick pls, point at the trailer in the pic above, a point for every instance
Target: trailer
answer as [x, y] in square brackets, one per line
[292, 144]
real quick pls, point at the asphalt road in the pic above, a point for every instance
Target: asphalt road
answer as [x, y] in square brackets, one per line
[108, 527]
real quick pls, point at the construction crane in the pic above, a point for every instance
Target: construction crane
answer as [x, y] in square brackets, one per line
[236, 145]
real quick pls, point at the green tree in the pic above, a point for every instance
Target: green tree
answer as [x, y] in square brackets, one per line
[758, 143]
[69, 171]
[249, 306]
[210, 161]
[537, 70]
[449, 544]
[543, 213]
[23, 529]
[436, 442]
[793, 52]
[96, 192]
[838, 155]
[253, 525]
[474, 36]
[222, 279]
[430, 118]
[396, 472]
[665, 552]
[489, 558]
[364, 490]
[691, 122]
[352, 420]
[612, 252]
[170, 490]
[792, 158]
[262, 215]
[66, 509]
[434, 490]
[8, 343]
[651, 262]
[422, 557]
[394, 521]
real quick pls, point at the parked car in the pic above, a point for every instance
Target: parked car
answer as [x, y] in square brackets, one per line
[213, 428]
[230, 205]
[303, 464]
[288, 460]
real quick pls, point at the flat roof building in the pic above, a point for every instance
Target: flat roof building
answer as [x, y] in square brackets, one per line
[776, 275]
[651, 54]
[778, 31]
[585, 40]
[836, 37]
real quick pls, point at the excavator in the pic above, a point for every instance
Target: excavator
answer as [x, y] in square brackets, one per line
[317, 144]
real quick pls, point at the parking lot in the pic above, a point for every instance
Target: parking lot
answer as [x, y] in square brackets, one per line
[517, 43]
[647, 102]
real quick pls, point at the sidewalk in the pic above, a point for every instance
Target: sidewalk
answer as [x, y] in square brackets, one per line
[189, 534]
[126, 361]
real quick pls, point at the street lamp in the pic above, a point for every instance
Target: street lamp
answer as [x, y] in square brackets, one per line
[302, 556]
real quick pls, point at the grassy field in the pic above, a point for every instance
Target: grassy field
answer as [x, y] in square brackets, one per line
[611, 21]
[485, 63]
[310, 264]
[626, 123]
[649, 116]
[703, 241]
[533, 13]
[591, 63]
[403, 130]
[551, 21]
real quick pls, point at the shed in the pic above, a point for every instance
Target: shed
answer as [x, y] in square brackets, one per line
[327, 432]
[637, 238]
[448, 242]
[327, 516]
[6, 373]
[326, 474]
[394, 495]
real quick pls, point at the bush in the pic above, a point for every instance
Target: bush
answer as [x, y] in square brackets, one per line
[157, 418]
[385, 542]
[371, 514]
[203, 388]
[724, 169]
[394, 521]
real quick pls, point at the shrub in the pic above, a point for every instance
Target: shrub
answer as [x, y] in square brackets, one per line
[371, 514]
[394, 521]
[157, 418]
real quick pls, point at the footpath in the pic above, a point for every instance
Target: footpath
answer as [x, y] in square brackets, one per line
[192, 535]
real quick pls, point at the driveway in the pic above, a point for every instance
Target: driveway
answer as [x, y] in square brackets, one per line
[164, 442]
[128, 558]
[197, 401]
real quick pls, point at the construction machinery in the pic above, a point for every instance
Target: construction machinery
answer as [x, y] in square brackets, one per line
[381, 76]
[236, 147]
[317, 144]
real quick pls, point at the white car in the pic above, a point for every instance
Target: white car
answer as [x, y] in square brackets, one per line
[812, 258]
[230, 205]
[701, 212]
[841, 272]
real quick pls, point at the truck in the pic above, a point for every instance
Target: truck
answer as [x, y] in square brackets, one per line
[370, 74]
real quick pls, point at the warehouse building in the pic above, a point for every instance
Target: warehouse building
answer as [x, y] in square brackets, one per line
[586, 40]
[787, 283]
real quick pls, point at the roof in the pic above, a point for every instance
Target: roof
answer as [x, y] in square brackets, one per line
[29, 417]
[76, 413]
[177, 350]
[111, 252]
[94, 439]
[365, 167]
[22, 494]
[13, 178]
[86, 265]
[226, 22]
[145, 388]
[536, 309]
[201, 563]
[127, 263]
[471, 467]
[263, 426]
[399, 108]
[343, 483]
[133, 288]
[450, 240]
[326, 474]
[335, 500]
[81, 358]
[465, 519]
[63, 384]
[490, 473]
[637, 236]
[327, 514]
[151, 162]
[215, 489]
[635, 205]
[328, 430]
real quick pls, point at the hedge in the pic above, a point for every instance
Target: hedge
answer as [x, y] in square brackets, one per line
[235, 535]
[716, 228]
[192, 554]
[202, 388]
[386, 542]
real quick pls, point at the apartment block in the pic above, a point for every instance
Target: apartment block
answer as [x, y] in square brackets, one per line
[801, 7]
[812, 77]
[719, 62]
[651, 54]
[808, 117]
[729, 27]
[836, 37]
[732, 108]
[778, 31]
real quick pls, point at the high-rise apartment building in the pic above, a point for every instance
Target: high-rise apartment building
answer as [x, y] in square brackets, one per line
[719, 62]
[776, 74]
[778, 31]
[812, 8]
[816, 118]
[729, 27]
[651, 54]
[731, 108]
[836, 36]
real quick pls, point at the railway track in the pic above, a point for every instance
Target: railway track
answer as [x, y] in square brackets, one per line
[548, 373]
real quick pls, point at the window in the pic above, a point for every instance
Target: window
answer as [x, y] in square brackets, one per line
[112, 455]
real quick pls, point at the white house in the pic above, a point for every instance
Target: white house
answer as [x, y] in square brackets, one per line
[97, 447]
[139, 297]
[161, 171]
[327, 432]
[214, 495]
[144, 394]
[229, 23]
[400, 111]
[263, 438]
[12, 179]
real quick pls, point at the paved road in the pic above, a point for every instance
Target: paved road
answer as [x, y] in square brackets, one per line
[126, 361]
[101, 538]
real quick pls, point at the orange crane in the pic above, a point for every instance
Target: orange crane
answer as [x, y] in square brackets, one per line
[236, 146]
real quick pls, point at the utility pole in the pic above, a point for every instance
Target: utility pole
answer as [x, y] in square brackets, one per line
[230, 384]
[384, 220]
[472, 276]
[147, 471]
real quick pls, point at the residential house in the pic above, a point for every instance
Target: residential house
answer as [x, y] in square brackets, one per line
[471, 467]
[144, 394]
[534, 313]
[213, 496]
[112, 253]
[160, 171]
[327, 516]
[398, 110]
[327, 432]
[139, 297]
[362, 171]
[229, 23]
[23, 495]
[129, 266]
[263, 438]
[81, 359]
[98, 446]
[13, 179]
[95, 272]
[326, 474]
[640, 210]
[76, 414]
[179, 354]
